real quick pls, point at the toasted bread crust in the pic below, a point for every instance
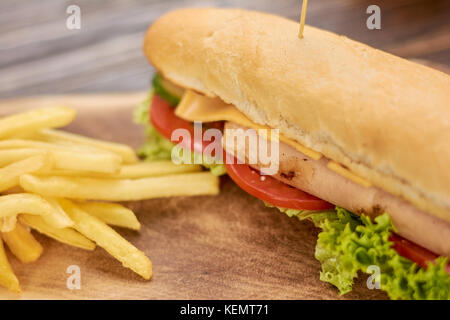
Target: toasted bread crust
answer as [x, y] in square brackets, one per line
[383, 117]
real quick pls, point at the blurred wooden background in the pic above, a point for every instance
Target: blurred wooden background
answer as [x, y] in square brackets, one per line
[39, 55]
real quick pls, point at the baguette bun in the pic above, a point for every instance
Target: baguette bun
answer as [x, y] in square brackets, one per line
[385, 118]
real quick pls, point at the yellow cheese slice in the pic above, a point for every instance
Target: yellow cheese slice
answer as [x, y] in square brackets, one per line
[195, 107]
[336, 167]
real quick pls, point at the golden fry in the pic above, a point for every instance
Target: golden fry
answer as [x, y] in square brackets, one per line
[13, 204]
[16, 189]
[13, 144]
[96, 230]
[7, 277]
[130, 171]
[68, 157]
[82, 161]
[8, 223]
[65, 235]
[128, 155]
[158, 168]
[189, 184]
[112, 214]
[9, 175]
[35, 120]
[9, 156]
[22, 244]
[57, 217]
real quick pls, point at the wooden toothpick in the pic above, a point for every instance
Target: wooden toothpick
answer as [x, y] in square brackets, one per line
[302, 19]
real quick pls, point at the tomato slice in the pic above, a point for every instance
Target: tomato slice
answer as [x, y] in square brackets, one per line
[165, 121]
[273, 191]
[414, 252]
[266, 188]
[163, 118]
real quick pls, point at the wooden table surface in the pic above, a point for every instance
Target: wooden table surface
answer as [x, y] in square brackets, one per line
[38, 54]
[229, 246]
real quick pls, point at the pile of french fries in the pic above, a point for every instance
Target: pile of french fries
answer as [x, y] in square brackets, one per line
[57, 183]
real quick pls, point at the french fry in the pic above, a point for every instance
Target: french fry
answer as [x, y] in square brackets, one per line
[22, 244]
[8, 223]
[13, 155]
[7, 277]
[57, 217]
[16, 189]
[64, 235]
[9, 175]
[130, 171]
[112, 214]
[35, 120]
[128, 155]
[11, 144]
[96, 230]
[75, 173]
[158, 168]
[70, 157]
[82, 161]
[28, 203]
[189, 184]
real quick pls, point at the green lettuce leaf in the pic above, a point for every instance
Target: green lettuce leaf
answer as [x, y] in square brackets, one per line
[301, 214]
[348, 245]
[216, 169]
[156, 147]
